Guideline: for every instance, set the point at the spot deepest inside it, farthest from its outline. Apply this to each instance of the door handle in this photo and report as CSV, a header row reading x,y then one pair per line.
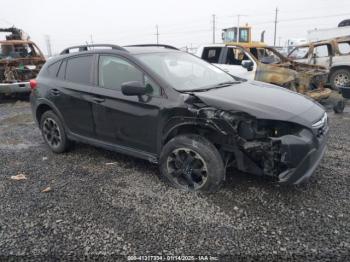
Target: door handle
x,y
55,92
98,99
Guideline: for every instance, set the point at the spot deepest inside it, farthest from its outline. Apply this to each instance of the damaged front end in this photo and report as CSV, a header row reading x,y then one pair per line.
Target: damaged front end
x,y
284,151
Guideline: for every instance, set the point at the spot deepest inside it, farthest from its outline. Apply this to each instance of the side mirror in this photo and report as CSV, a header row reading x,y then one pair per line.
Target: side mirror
x,y
248,64
134,88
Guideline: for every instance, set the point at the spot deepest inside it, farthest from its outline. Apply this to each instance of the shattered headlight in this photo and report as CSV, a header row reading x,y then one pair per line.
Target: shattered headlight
x,y
272,128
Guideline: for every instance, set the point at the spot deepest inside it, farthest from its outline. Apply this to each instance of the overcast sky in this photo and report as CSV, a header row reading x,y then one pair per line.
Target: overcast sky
x,y
181,22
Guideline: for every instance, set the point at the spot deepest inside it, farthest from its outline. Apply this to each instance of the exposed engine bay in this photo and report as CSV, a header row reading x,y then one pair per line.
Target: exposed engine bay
x,y
257,146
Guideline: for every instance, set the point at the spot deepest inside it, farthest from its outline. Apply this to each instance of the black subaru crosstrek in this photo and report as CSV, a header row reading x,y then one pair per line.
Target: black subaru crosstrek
x,y
172,108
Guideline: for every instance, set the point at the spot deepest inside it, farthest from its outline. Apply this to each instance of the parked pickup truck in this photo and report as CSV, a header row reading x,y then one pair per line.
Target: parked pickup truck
x,y
20,61
334,54
256,61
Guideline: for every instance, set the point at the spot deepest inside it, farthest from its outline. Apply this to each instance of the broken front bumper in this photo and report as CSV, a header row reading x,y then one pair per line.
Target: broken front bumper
x,y
302,154
14,88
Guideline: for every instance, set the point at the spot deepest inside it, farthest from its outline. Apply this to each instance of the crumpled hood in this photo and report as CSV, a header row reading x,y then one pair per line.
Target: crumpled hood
x,y
264,101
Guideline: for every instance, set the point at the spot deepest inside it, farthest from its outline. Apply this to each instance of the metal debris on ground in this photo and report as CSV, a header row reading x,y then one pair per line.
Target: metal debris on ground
x,y
19,177
46,190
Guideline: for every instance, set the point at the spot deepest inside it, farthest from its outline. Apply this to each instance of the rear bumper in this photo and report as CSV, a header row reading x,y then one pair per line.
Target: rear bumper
x,y
14,88
302,154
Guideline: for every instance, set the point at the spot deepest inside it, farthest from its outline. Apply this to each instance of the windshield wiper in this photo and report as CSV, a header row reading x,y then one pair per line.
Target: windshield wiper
x,y
220,85
223,84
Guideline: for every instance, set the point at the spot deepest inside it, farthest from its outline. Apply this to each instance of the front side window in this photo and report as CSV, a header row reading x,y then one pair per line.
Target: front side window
x,y
185,72
114,71
235,56
299,53
321,51
78,70
344,48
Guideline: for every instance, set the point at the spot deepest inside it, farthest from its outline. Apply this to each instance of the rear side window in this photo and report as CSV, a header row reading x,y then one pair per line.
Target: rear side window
x,y
78,70
211,54
344,48
53,69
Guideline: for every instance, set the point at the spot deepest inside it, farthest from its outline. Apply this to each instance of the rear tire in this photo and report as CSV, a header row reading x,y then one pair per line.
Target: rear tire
x,y
53,132
192,163
340,78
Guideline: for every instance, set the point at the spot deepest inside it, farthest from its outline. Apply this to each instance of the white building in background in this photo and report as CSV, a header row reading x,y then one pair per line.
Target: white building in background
x,y
328,33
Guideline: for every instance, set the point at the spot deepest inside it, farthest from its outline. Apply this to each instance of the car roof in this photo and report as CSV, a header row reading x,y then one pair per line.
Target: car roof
x,y
130,50
148,49
337,39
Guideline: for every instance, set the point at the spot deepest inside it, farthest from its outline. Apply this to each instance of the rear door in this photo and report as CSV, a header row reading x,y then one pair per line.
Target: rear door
x,y
127,121
70,94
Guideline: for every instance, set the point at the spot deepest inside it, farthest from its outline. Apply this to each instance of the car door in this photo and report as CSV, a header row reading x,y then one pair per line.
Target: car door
x,y
231,62
70,94
127,121
322,55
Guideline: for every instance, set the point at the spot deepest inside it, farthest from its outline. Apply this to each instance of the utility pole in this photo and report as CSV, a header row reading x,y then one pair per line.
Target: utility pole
x,y
91,40
214,26
48,45
276,15
157,34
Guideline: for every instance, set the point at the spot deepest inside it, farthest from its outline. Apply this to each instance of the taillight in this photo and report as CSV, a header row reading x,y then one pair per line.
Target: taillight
x,y
33,84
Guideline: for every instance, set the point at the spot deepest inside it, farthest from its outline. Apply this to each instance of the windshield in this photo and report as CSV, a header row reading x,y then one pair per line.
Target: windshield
x,y
185,72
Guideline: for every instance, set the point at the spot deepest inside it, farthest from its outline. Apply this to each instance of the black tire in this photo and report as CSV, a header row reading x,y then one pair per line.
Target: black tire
x,y
53,132
338,108
192,157
340,78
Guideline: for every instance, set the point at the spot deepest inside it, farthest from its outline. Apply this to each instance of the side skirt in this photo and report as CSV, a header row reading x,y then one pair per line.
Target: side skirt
x,y
116,148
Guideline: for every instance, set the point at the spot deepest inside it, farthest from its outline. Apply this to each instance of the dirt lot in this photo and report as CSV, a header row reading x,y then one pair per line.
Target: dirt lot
x,y
103,203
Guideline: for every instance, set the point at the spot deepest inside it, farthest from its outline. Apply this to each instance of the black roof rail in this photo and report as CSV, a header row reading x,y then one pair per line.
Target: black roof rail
x,y
154,45
90,47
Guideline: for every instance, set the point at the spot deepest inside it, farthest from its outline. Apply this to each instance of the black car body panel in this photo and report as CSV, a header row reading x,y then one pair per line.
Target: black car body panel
x,y
258,128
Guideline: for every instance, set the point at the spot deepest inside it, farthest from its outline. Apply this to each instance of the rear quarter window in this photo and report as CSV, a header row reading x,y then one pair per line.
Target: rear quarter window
x,y
53,69
344,48
78,70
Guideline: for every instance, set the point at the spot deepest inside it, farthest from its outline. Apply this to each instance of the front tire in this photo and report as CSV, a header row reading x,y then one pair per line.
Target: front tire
x,y
192,163
53,132
340,78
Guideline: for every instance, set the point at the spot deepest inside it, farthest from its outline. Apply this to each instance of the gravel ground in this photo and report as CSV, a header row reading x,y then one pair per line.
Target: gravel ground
x,y
103,203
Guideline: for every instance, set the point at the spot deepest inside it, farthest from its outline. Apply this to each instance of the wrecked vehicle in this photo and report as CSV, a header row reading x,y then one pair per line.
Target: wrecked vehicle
x,y
256,61
172,108
20,61
334,54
